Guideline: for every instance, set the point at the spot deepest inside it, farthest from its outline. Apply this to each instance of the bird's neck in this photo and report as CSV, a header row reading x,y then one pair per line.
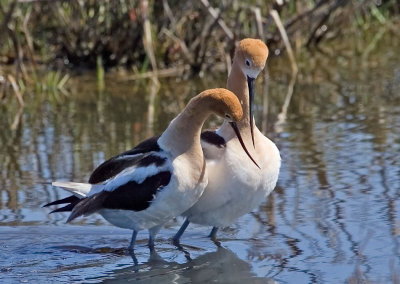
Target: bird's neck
x,y
237,83
183,134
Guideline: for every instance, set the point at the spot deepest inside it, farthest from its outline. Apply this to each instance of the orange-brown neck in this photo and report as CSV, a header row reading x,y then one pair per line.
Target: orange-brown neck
x,y
183,134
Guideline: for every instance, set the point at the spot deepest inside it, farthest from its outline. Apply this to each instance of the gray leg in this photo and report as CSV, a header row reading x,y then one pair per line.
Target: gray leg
x,y
213,233
180,232
152,235
132,244
134,259
151,243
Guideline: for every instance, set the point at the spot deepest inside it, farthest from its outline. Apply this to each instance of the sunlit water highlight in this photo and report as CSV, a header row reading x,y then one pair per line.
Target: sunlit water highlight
x,y
334,216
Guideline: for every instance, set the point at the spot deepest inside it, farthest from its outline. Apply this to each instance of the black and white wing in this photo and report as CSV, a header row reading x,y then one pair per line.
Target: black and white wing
x,y
128,181
115,165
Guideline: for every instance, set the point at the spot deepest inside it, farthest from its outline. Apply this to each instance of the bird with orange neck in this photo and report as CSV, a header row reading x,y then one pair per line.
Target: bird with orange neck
x,y
160,178
235,186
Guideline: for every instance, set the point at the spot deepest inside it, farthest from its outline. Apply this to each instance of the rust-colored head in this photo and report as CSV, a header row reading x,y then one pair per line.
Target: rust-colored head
x,y
222,102
225,104
251,55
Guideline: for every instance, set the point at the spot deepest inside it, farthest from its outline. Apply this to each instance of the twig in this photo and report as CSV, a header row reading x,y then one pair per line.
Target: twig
x,y
19,64
147,40
170,72
154,88
264,125
278,22
305,14
3,87
16,90
34,1
168,11
29,40
6,20
372,45
201,51
283,114
257,14
17,119
214,13
324,19
181,43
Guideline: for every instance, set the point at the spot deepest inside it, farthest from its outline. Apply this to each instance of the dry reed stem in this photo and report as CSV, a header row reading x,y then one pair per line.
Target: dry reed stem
x,y
147,40
181,43
160,73
6,20
16,90
265,95
283,114
274,14
169,14
257,14
154,88
29,40
214,13
17,119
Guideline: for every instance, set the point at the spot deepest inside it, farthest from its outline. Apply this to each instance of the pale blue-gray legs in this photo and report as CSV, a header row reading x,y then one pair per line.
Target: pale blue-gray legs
x,y
179,234
152,235
213,233
151,243
132,244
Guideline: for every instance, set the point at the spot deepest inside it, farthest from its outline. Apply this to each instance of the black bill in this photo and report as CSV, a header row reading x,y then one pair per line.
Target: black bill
x,y
251,83
236,129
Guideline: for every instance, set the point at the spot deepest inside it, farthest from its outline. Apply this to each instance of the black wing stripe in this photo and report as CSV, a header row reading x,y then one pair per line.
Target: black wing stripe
x,y
137,197
116,164
130,196
148,145
112,167
151,159
213,138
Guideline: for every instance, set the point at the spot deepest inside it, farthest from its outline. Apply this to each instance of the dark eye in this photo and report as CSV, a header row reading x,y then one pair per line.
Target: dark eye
x,y
248,63
228,116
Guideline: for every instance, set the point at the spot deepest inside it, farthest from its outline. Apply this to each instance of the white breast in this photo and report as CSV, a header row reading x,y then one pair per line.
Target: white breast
x,y
236,186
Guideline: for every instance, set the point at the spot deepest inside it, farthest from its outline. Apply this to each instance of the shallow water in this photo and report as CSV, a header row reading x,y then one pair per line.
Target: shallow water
x,y
334,216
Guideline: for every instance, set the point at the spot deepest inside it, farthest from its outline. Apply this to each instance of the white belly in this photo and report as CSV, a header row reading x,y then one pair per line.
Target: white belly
x,y
236,186
180,194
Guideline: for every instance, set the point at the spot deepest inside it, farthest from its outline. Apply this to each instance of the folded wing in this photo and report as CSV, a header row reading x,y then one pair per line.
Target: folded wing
x,y
128,181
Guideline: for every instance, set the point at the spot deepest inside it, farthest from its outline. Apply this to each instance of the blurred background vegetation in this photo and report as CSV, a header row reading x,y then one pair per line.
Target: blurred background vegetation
x,y
43,43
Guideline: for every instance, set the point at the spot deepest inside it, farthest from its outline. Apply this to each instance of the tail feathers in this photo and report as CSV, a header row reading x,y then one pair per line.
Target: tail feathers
x,y
69,199
88,206
76,188
72,200
79,204
67,208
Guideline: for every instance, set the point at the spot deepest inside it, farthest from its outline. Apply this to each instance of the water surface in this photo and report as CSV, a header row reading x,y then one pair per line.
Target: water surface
x,y
333,218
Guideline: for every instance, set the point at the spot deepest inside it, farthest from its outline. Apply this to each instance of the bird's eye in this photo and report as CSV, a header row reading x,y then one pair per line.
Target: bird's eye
x,y
248,63
228,116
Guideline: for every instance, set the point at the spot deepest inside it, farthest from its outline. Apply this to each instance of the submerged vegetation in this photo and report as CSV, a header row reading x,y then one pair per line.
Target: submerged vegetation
x,y
41,42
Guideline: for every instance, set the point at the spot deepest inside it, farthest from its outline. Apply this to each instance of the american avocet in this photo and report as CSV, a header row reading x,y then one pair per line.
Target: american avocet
x,y
158,179
226,199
